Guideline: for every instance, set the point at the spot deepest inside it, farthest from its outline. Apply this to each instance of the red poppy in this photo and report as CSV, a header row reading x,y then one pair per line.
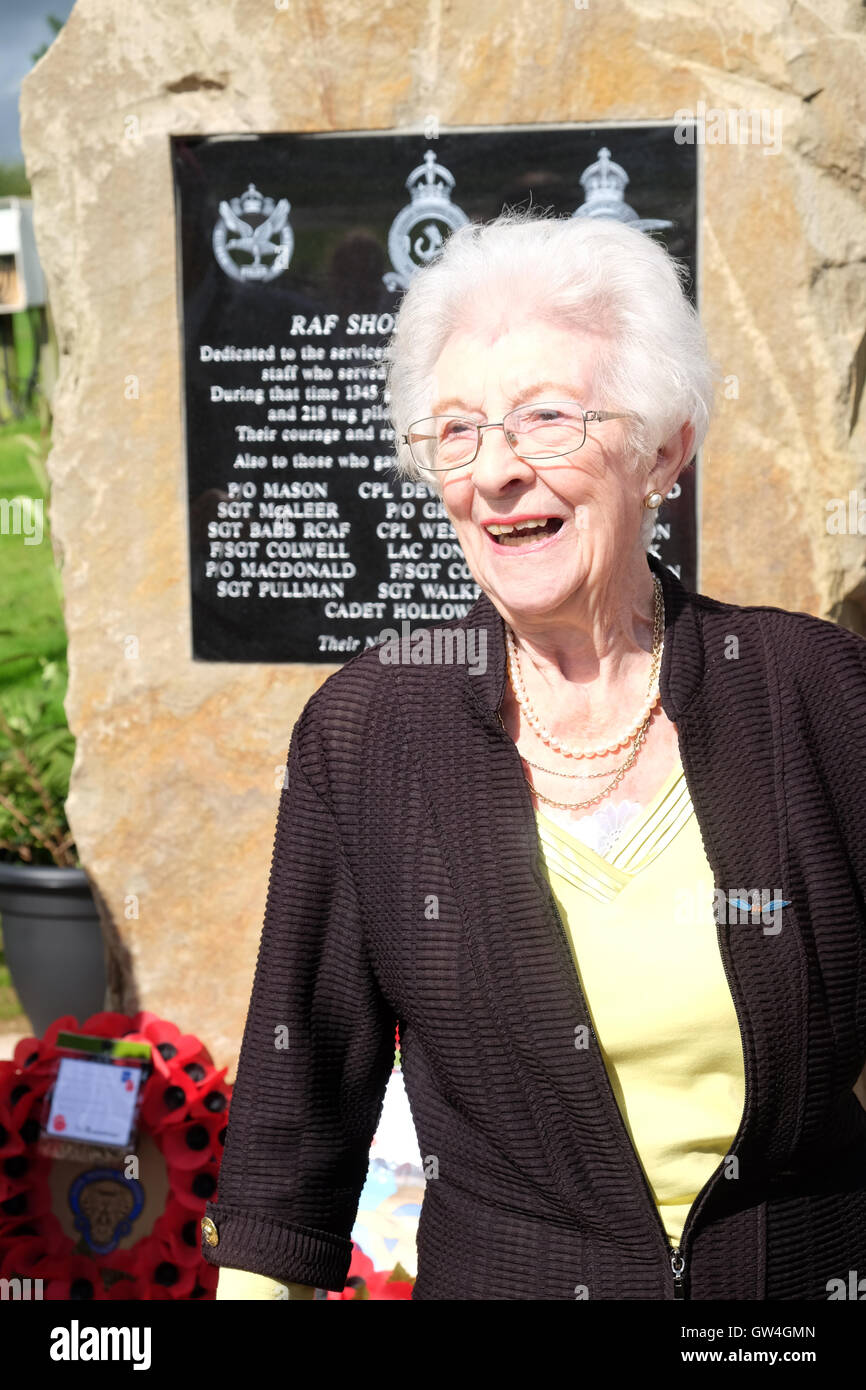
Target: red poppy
x,y
382,1285
192,1145
194,1187
178,1227
213,1093
71,1277
153,1263
20,1256
363,1281
187,1048
165,1102
19,1174
13,1113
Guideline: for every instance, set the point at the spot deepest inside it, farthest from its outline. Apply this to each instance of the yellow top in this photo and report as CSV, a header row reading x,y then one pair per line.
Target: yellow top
x,y
643,936
240,1284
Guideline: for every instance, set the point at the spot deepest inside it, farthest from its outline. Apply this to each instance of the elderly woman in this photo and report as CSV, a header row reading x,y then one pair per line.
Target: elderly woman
x,y
610,885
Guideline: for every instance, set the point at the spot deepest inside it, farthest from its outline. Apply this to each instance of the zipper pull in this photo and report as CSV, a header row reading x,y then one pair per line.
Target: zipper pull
x,y
678,1268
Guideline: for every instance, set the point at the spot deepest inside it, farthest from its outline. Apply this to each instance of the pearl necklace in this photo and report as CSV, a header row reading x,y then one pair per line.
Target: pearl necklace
x,y
545,735
638,731
557,772
620,773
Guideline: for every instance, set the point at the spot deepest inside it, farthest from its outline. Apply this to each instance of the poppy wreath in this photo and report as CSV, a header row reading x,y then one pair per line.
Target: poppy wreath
x,y
184,1107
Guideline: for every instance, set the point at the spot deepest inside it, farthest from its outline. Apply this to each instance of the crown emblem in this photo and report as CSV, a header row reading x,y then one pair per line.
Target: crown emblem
x,y
604,186
603,181
430,180
252,200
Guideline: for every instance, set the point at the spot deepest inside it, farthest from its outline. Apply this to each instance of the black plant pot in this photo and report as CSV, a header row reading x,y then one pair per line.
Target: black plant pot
x,y
52,938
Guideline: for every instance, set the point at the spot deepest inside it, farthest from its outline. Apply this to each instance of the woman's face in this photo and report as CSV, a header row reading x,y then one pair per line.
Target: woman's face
x,y
484,374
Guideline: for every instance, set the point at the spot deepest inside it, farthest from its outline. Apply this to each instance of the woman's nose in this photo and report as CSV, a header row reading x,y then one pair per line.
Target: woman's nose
x,y
496,457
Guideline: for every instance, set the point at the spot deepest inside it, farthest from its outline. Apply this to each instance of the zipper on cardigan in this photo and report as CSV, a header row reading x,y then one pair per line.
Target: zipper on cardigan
x,y
672,1253
700,1199
675,1255
664,1239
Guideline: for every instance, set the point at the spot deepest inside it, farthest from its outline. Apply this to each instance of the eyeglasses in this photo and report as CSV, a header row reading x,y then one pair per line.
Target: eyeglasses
x,y
546,430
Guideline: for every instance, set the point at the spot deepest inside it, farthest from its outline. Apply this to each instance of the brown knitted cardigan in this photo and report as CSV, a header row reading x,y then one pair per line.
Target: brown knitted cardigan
x,y
406,887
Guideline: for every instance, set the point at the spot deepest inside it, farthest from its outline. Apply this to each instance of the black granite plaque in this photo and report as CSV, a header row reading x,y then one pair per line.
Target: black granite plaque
x,y
293,251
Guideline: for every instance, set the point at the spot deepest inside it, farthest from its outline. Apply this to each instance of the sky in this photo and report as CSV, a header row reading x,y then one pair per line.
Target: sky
x,y
23,29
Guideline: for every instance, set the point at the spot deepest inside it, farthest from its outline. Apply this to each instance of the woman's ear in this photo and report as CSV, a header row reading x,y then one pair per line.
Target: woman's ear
x,y
671,459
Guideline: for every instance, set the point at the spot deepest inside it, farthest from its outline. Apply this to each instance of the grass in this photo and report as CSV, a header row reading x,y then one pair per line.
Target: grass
x,y
20,336
31,619
25,343
12,1019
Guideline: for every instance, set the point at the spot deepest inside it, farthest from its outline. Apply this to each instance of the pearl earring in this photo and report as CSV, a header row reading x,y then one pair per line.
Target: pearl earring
x,y
653,499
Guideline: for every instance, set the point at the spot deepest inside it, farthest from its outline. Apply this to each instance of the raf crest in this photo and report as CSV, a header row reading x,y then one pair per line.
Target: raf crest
x,y
254,226
419,231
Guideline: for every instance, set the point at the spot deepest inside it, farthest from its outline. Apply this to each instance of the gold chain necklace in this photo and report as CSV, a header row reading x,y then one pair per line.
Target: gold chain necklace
x,y
557,772
578,805
638,732
557,744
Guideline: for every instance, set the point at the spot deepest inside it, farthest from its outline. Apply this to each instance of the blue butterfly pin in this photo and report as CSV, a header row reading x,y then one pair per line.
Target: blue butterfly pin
x,y
758,907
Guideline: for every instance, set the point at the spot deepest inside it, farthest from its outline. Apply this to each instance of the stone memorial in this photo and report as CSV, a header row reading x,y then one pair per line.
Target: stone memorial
x,y
149,139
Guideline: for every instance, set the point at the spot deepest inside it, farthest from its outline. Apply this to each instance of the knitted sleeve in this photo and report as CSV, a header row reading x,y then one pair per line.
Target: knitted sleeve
x,y
835,686
316,1054
852,706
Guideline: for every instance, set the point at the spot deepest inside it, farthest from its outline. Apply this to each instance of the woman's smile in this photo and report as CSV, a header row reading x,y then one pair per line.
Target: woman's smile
x,y
527,540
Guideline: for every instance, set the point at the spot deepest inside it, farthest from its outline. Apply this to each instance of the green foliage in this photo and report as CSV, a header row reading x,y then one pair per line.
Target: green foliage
x,y
36,745
54,23
36,753
14,182
28,363
31,614
10,1005
35,449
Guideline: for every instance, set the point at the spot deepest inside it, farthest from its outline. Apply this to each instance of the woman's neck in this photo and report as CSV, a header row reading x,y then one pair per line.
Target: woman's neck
x,y
588,668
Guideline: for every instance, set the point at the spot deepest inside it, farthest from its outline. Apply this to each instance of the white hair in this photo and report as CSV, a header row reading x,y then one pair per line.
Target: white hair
x,y
594,275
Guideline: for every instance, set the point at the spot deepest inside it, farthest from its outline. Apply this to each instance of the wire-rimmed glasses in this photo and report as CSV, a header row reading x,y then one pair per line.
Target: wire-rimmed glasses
x,y
542,430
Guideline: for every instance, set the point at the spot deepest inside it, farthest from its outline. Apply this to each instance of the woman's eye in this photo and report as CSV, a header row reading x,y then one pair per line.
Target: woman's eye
x,y
455,427
542,417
